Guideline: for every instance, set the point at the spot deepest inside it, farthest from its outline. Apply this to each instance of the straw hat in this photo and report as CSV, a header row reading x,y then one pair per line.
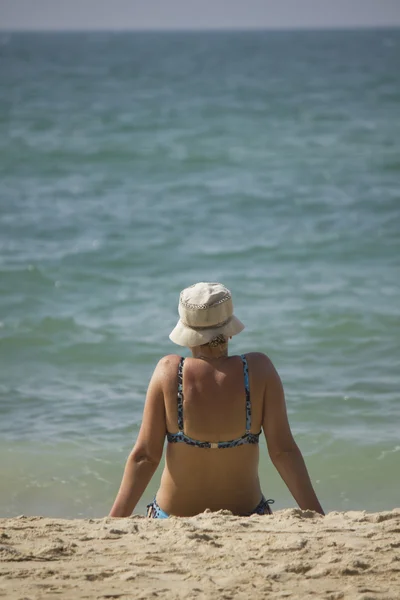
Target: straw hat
x,y
205,311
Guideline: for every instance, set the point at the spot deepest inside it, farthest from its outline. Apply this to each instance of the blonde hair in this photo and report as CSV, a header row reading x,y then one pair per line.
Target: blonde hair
x,y
218,340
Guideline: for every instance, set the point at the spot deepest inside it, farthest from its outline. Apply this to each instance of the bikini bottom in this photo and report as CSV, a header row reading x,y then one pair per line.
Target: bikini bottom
x,y
262,508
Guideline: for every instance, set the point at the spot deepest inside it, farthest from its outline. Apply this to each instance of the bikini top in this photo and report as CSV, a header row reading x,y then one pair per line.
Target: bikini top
x,y
246,438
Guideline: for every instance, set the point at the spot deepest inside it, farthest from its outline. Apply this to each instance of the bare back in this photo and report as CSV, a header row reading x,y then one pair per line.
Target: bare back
x,y
214,410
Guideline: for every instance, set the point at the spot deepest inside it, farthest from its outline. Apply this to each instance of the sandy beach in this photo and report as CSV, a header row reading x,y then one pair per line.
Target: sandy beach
x,y
292,554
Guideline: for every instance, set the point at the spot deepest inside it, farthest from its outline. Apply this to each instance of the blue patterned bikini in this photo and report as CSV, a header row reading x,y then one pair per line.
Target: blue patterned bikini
x,y
153,510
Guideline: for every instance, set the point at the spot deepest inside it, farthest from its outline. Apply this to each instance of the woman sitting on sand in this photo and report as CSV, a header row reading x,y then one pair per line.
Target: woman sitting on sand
x,y
212,408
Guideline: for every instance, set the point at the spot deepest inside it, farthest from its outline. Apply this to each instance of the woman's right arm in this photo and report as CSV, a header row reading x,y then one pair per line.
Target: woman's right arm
x,y
283,450
147,452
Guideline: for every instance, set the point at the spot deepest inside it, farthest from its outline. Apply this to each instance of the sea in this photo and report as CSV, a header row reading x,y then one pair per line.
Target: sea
x,y
134,164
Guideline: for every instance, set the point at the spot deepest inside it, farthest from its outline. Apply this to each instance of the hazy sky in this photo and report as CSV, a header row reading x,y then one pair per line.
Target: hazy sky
x,y
195,14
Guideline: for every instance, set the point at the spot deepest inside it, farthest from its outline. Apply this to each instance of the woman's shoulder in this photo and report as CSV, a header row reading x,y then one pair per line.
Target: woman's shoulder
x,y
168,362
166,370
260,362
257,357
169,359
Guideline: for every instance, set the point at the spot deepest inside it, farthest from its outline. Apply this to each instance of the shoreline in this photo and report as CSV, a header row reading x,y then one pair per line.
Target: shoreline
x,y
293,553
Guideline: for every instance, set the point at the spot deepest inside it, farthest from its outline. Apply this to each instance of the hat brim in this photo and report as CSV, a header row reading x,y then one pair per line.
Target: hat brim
x,y
186,336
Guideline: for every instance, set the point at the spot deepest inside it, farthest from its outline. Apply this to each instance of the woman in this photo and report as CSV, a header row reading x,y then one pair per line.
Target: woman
x,y
212,408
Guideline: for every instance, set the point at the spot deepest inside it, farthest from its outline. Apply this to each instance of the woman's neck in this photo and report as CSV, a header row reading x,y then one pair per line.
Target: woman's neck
x,y
208,353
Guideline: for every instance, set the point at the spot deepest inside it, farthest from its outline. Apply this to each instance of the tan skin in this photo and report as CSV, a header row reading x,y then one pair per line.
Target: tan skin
x,y
198,478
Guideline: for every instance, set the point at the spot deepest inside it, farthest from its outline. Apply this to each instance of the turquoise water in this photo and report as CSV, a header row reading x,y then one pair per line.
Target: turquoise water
x,y
132,165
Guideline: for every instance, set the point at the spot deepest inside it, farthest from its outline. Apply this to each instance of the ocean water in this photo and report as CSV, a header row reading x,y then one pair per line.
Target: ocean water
x,y
132,165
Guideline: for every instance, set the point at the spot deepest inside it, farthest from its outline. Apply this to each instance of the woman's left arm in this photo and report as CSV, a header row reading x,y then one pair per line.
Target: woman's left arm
x,y
147,451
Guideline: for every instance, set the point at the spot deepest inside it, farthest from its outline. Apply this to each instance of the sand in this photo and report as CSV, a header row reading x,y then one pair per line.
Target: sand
x,y
292,554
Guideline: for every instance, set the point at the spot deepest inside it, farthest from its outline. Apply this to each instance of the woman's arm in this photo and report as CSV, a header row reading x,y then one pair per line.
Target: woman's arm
x,y
282,448
147,451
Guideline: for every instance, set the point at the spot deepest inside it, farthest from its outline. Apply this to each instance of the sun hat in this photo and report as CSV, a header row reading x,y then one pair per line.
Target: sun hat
x,y
205,311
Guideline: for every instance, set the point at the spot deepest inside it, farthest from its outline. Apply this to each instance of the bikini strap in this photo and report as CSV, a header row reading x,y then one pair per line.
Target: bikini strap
x,y
180,394
247,390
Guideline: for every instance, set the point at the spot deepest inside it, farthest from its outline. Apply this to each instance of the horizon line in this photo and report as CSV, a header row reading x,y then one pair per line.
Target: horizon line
x,y
247,29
